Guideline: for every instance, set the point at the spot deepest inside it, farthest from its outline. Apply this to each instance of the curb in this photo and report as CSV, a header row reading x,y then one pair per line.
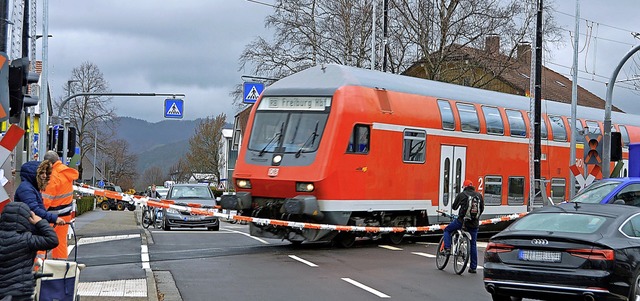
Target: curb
x,y
152,289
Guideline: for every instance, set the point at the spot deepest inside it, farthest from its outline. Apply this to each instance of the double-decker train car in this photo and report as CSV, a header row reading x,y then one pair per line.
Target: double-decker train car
x,y
346,146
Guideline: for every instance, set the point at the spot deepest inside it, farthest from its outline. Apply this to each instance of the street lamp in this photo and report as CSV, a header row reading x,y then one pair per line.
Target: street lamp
x,y
95,149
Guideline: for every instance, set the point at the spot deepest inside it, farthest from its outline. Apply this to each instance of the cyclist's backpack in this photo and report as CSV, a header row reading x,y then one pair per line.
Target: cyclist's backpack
x,y
473,210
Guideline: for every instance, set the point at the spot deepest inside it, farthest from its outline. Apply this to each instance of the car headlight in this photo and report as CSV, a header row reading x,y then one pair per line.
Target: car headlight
x,y
243,183
174,211
304,187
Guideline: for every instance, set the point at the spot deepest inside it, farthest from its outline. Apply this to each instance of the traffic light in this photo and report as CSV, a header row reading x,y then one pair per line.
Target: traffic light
x,y
19,79
4,86
56,140
616,146
593,149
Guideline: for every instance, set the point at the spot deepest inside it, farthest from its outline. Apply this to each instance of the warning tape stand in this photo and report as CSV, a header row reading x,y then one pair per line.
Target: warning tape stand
x,y
208,211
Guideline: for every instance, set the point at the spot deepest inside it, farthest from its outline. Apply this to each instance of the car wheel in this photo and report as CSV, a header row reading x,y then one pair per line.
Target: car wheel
x,y
165,226
634,291
214,228
105,205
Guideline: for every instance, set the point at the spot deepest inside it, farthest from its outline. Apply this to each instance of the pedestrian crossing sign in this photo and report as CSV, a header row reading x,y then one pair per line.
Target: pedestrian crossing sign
x,y
173,108
252,91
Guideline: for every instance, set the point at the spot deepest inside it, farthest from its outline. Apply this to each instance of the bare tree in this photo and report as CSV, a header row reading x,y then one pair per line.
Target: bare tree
x,y
312,32
180,171
205,145
120,163
87,113
153,175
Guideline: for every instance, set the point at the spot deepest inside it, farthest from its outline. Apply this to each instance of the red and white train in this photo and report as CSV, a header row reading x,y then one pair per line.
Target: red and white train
x,y
346,146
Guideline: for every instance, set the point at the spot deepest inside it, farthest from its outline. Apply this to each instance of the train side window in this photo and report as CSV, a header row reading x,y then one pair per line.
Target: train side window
x,y
558,188
544,131
625,135
594,128
469,121
493,191
414,146
558,129
495,125
580,128
516,191
359,141
517,124
446,114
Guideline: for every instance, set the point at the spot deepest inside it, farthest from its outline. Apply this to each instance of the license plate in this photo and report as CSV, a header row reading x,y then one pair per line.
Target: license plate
x,y
193,218
542,256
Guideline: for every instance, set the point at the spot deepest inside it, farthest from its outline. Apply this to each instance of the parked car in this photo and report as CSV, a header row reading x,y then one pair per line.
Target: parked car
x,y
573,251
611,190
162,191
184,194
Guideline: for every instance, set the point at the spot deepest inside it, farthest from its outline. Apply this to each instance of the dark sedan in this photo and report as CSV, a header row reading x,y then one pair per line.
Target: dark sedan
x,y
185,194
572,251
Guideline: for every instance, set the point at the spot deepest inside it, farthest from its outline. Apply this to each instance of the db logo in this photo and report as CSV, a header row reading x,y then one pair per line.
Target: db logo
x,y
273,172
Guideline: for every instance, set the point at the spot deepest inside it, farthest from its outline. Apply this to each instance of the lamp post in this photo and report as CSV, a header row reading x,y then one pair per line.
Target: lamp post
x,y
95,150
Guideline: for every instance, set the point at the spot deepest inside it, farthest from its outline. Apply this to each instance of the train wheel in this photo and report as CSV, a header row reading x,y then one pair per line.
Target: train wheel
x,y
345,239
105,205
394,238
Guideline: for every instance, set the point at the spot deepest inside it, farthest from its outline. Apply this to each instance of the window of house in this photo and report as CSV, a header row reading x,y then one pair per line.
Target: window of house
x,y
469,121
495,125
558,129
493,190
359,140
516,123
516,191
414,146
625,135
558,186
446,114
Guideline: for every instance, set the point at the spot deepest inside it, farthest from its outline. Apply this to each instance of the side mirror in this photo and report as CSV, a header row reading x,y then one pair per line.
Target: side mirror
x,y
619,202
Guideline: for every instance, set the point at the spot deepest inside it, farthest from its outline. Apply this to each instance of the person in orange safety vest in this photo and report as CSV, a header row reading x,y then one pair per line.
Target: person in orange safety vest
x,y
58,199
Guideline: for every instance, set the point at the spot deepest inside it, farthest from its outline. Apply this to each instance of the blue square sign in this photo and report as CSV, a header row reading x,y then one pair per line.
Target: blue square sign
x,y
252,91
173,108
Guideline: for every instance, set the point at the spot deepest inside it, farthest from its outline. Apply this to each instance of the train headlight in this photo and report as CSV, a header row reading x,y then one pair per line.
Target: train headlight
x,y
305,187
277,159
243,183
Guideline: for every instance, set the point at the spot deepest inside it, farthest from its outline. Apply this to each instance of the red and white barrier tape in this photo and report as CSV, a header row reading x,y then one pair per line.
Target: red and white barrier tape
x,y
197,209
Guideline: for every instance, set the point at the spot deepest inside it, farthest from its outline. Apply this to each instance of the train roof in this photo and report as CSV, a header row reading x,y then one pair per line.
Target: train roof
x,y
326,79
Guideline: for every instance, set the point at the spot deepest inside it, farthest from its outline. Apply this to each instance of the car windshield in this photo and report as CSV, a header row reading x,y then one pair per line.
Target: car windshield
x,y
596,192
560,222
190,192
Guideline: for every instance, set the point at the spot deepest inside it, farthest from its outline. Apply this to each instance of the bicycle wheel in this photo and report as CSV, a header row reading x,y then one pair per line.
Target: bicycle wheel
x,y
441,258
461,256
146,218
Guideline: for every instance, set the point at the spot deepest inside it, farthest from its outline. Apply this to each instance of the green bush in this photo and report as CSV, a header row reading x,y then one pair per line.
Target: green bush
x,y
84,204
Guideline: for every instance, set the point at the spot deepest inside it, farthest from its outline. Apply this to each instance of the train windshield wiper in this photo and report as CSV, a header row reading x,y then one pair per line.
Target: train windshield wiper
x,y
311,138
277,135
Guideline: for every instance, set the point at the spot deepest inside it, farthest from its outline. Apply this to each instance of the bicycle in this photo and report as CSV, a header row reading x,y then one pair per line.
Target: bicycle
x,y
148,217
460,248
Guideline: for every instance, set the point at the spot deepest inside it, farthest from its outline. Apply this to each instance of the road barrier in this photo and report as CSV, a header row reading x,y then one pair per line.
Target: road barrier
x,y
200,210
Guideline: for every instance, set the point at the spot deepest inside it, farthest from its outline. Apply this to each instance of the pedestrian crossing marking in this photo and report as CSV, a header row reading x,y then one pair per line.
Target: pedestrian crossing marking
x,y
253,94
174,110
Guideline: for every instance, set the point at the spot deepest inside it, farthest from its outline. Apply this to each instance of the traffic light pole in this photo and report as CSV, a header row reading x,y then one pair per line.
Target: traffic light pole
x,y
67,117
606,146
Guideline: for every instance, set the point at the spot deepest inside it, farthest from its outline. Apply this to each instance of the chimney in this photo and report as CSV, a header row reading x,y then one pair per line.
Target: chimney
x,y
523,52
492,44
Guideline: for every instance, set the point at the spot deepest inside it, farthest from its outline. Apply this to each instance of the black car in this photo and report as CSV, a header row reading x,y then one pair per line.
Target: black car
x,y
185,194
572,251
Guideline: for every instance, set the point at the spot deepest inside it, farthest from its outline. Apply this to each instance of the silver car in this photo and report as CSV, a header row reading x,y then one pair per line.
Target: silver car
x,y
183,194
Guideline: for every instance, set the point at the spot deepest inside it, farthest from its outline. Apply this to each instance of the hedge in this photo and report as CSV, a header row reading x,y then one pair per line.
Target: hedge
x,y
84,204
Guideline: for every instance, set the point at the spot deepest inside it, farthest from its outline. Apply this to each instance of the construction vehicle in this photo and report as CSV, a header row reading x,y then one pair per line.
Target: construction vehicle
x,y
113,204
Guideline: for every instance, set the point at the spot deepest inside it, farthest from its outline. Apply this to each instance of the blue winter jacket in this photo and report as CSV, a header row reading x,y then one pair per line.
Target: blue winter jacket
x,y
29,194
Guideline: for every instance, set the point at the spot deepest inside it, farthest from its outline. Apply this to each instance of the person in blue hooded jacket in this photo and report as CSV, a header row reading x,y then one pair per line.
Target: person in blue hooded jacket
x,y
34,176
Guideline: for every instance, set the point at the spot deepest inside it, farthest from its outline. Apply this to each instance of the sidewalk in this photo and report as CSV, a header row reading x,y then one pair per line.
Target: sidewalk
x,y
109,244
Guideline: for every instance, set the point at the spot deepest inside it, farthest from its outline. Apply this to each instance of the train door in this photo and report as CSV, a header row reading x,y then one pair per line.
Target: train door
x,y
452,173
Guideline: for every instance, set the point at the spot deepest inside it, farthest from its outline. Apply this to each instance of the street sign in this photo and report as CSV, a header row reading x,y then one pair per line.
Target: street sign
x,y
101,184
173,108
251,92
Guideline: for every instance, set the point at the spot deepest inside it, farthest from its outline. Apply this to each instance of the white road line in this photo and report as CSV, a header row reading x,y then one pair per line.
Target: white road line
x,y
366,288
92,240
144,257
248,235
309,263
426,243
424,254
392,248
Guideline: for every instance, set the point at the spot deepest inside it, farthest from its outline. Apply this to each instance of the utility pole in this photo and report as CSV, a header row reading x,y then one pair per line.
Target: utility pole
x,y
574,102
384,35
538,102
4,21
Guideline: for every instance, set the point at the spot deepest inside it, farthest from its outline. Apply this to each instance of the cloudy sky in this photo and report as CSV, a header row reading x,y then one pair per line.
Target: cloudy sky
x,y
192,47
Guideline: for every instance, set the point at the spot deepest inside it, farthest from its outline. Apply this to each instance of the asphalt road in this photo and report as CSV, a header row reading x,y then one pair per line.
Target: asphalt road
x,y
230,265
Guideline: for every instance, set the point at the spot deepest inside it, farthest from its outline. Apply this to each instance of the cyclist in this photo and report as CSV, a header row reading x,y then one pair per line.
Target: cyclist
x,y
471,223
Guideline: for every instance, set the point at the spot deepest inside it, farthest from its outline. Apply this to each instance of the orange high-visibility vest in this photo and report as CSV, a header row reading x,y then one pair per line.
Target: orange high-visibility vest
x,y
58,199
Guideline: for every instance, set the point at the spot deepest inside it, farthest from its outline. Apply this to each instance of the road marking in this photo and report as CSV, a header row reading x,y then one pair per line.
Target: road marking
x,y
249,235
93,240
366,288
392,248
481,244
423,254
144,256
116,288
309,263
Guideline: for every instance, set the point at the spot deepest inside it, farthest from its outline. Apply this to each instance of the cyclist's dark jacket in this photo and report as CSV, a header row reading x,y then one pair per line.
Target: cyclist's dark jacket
x,y
19,241
462,201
